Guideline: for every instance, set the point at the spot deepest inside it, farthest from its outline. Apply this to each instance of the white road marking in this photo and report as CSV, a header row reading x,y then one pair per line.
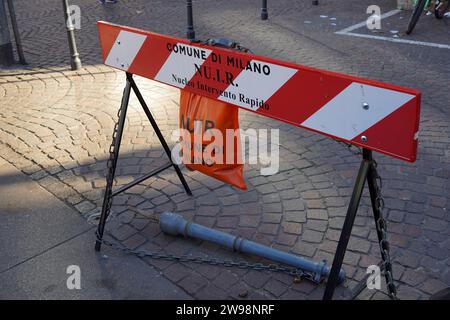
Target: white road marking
x,y
362,24
347,32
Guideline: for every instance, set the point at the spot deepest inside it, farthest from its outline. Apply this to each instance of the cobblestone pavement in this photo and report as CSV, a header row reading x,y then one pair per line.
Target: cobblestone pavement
x,y
56,125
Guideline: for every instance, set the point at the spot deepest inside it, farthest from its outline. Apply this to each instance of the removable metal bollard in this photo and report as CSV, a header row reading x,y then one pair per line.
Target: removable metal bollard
x,y
190,33
174,224
75,62
264,12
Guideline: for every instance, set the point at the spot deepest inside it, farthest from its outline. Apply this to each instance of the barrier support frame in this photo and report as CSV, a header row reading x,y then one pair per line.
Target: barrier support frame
x,y
117,139
367,172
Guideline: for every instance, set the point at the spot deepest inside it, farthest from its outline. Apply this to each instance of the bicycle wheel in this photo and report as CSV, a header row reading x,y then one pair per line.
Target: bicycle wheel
x,y
418,9
441,9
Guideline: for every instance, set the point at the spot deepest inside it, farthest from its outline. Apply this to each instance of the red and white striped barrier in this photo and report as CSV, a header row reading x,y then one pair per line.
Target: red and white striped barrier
x,y
370,114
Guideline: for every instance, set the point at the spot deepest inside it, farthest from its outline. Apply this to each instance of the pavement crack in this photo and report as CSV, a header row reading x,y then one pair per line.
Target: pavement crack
x,y
47,250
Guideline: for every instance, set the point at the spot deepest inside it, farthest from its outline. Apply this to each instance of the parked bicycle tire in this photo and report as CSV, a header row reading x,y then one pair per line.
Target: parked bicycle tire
x,y
418,9
443,8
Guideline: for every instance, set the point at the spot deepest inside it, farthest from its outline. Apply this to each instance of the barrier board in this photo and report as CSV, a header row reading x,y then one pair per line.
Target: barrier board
x,y
369,114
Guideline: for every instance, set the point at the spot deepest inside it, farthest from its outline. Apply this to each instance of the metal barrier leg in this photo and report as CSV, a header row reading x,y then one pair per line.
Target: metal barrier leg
x,y
347,228
112,163
158,133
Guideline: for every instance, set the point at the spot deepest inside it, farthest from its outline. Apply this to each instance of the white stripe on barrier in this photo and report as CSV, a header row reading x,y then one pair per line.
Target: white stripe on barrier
x,y
251,89
179,67
345,115
125,49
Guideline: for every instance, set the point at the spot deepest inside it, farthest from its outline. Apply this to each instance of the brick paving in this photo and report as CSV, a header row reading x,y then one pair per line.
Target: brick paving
x,y
56,125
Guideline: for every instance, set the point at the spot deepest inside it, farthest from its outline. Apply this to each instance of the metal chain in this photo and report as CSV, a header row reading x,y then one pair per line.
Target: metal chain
x,y
109,163
381,226
297,273
353,149
229,45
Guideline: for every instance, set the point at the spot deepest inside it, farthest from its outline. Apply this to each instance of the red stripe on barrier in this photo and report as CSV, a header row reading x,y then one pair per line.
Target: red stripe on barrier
x,y
221,78
150,49
389,133
315,89
107,37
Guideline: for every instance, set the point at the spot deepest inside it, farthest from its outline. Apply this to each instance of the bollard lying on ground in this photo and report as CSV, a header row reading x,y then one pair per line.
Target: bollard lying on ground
x,y
174,224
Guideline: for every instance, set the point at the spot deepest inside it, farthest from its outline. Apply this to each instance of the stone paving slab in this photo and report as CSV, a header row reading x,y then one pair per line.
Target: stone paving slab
x,y
41,237
31,222
104,276
395,27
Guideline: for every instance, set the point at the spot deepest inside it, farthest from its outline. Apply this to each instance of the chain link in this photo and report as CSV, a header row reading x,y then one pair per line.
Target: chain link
x,y
381,226
353,149
110,161
296,273
225,43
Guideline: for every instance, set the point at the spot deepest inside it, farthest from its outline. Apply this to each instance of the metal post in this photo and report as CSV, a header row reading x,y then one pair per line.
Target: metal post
x,y
348,225
190,33
12,14
117,136
264,12
158,133
175,224
75,62
6,49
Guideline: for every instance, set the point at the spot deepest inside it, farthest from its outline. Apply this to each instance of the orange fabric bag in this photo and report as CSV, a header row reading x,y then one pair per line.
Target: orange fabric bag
x,y
201,117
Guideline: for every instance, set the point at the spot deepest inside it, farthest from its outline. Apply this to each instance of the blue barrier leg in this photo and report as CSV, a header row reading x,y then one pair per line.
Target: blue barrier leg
x,y
175,224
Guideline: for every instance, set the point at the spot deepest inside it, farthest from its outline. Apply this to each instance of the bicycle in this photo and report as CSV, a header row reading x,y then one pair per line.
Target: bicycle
x,y
440,9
